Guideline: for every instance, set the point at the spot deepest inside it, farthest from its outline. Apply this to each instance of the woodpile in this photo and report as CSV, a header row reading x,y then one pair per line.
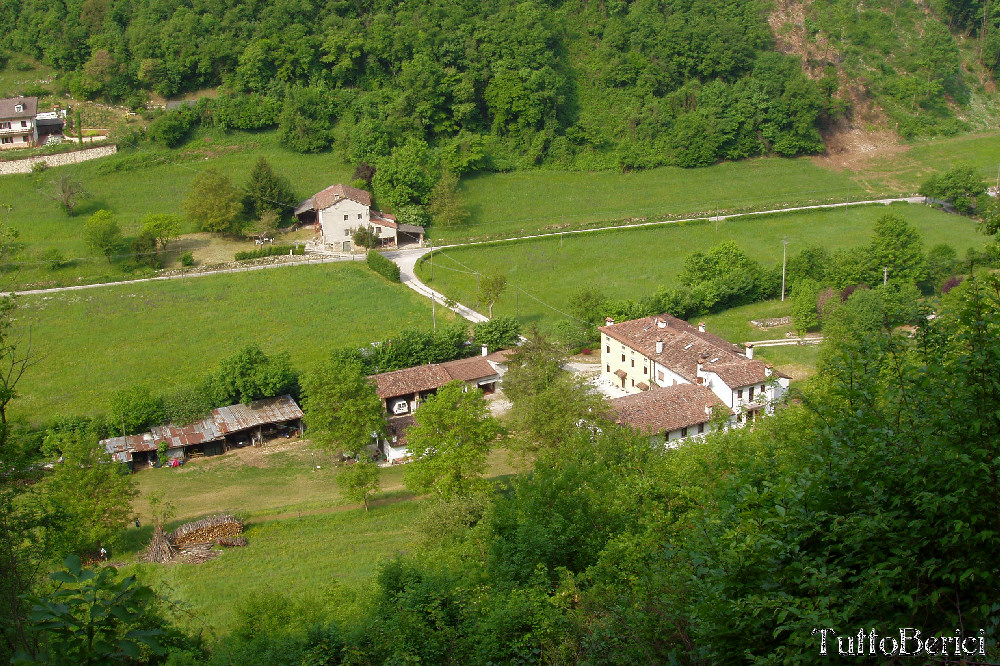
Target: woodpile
x,y
160,550
198,553
206,531
231,541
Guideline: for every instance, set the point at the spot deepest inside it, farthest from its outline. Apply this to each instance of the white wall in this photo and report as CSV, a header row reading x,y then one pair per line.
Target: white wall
x,y
336,230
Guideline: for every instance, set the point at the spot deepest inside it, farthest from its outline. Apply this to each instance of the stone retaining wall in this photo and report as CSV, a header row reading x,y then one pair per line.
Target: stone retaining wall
x,y
58,159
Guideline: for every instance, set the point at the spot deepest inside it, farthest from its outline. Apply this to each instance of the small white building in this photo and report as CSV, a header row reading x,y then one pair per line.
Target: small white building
x,y
663,351
17,122
340,210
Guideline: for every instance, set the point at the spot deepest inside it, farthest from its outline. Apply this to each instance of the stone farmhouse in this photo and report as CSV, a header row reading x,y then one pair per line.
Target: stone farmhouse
x,y
339,210
678,376
403,391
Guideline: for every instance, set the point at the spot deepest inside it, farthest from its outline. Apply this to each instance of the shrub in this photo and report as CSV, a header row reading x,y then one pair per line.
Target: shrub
x,y
187,259
387,269
39,167
270,251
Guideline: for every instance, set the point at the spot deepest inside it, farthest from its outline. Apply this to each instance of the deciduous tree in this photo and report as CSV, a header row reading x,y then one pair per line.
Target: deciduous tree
x,y
163,227
359,481
103,233
491,286
446,206
341,407
68,192
267,191
214,204
450,441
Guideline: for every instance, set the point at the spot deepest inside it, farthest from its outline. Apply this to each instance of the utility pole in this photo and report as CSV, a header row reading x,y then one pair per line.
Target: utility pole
x,y
434,321
885,275
998,181
517,302
784,254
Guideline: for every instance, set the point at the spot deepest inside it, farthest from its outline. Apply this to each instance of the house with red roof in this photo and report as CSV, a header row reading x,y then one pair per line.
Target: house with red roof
x,y
340,210
17,122
656,360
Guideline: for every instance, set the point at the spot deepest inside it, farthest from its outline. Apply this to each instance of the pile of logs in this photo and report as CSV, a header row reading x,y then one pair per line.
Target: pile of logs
x,y
231,541
160,550
198,553
207,530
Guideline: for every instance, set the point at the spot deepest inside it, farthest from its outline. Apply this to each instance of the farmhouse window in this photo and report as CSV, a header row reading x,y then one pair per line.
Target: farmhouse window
x,y
633,363
684,432
701,428
345,218
751,392
739,394
24,123
761,388
608,349
5,125
607,367
633,383
623,358
359,216
644,369
378,231
347,232
6,139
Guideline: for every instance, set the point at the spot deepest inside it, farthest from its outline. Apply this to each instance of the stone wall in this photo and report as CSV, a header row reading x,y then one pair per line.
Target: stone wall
x,y
59,159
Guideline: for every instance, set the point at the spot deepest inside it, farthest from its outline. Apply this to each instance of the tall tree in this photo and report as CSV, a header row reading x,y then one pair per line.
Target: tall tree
x,y
491,286
446,206
267,191
214,204
450,441
897,246
359,481
163,227
549,403
68,192
341,407
249,375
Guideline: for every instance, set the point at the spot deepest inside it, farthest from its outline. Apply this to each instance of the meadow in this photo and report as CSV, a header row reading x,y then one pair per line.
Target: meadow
x,y
303,538
544,273
168,334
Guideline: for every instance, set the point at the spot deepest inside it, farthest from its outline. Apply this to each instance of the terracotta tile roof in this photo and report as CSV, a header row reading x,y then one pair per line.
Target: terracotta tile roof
x,y
335,193
470,369
7,107
410,380
744,373
664,409
435,375
683,344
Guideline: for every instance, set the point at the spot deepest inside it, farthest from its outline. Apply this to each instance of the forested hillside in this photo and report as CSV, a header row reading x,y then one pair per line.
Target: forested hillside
x,y
501,85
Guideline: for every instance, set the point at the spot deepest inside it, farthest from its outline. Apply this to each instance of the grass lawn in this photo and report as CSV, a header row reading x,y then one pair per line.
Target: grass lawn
x,y
500,206
169,334
633,263
159,186
797,361
296,556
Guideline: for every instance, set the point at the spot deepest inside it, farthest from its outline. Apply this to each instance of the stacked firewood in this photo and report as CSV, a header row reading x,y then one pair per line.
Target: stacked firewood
x,y
159,551
207,530
197,553
231,541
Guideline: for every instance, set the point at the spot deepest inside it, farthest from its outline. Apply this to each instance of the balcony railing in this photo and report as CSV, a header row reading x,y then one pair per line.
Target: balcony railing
x,y
16,129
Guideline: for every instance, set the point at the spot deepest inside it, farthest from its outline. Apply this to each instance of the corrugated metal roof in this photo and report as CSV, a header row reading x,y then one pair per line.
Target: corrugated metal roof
x,y
223,421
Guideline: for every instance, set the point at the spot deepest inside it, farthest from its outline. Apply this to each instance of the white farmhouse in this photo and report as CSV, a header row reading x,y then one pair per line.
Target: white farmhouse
x,y
653,354
340,210
17,122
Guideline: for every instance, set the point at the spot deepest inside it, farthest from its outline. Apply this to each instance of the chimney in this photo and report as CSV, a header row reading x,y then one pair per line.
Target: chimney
x,y
609,321
708,410
662,323
485,350
701,362
750,352
659,346
701,327
768,369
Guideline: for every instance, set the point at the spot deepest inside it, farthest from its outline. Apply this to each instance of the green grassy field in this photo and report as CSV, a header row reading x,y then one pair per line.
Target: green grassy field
x,y
634,263
168,334
513,204
296,556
